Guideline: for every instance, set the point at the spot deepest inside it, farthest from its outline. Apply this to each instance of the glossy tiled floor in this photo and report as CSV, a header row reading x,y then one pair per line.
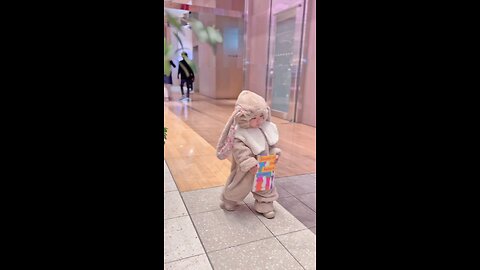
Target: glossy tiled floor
x,y
193,131
298,195
182,248
192,160
200,235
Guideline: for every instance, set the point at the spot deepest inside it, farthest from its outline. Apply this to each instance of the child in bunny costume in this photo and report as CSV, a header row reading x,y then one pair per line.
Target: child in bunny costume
x,y
248,134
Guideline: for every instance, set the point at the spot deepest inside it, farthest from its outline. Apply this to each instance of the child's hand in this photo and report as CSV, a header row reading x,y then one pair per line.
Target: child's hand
x,y
254,169
276,158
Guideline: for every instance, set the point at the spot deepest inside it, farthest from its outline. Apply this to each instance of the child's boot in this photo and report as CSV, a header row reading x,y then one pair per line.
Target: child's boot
x,y
227,206
269,215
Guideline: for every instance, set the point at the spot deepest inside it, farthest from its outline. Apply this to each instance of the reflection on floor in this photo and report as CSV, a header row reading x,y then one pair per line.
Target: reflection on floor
x,y
193,131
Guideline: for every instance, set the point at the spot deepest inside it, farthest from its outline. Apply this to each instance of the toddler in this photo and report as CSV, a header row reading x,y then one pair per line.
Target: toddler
x,y
249,133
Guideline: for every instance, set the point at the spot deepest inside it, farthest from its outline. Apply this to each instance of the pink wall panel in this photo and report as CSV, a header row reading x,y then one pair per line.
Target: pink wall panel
x,y
258,46
308,114
207,64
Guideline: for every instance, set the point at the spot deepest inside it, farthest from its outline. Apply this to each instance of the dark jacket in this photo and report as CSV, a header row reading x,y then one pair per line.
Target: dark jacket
x,y
186,74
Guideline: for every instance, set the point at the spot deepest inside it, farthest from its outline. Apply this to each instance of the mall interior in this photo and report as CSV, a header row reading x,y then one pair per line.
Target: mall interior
x,y
268,47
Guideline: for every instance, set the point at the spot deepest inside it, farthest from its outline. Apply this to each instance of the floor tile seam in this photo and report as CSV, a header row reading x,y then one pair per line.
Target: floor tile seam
x,y
284,189
287,181
283,234
288,196
305,203
306,227
272,235
184,258
299,219
208,211
239,245
288,249
275,236
196,231
183,202
301,193
258,216
294,215
170,218
171,191
295,258
202,189
171,175
203,212
296,175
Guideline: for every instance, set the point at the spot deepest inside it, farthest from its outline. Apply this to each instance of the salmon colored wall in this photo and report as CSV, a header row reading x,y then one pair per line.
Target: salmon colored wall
x,y
229,71
280,5
307,114
207,64
257,48
237,5
220,74
204,3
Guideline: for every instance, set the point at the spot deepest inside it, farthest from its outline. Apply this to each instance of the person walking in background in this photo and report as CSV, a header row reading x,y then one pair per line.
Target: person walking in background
x,y
167,81
187,76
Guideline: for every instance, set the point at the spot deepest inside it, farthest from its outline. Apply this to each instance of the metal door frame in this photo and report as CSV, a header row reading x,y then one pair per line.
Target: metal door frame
x,y
298,13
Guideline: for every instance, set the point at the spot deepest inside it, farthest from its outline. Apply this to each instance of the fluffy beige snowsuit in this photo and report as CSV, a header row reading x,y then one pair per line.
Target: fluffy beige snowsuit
x,y
246,144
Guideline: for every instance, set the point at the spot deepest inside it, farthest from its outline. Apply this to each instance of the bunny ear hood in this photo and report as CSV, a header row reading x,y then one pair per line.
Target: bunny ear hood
x,y
251,102
253,105
248,106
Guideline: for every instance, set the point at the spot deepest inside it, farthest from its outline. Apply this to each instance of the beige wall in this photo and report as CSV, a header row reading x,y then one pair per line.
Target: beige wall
x,y
237,5
220,73
207,64
204,3
229,64
257,48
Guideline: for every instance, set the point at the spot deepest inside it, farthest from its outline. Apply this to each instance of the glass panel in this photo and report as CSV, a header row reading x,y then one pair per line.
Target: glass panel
x,y
282,73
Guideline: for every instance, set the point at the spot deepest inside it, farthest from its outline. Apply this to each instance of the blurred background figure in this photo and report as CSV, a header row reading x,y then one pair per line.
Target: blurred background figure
x,y
187,76
167,83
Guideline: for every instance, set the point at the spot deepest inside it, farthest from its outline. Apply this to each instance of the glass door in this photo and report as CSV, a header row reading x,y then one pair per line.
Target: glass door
x,y
283,63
